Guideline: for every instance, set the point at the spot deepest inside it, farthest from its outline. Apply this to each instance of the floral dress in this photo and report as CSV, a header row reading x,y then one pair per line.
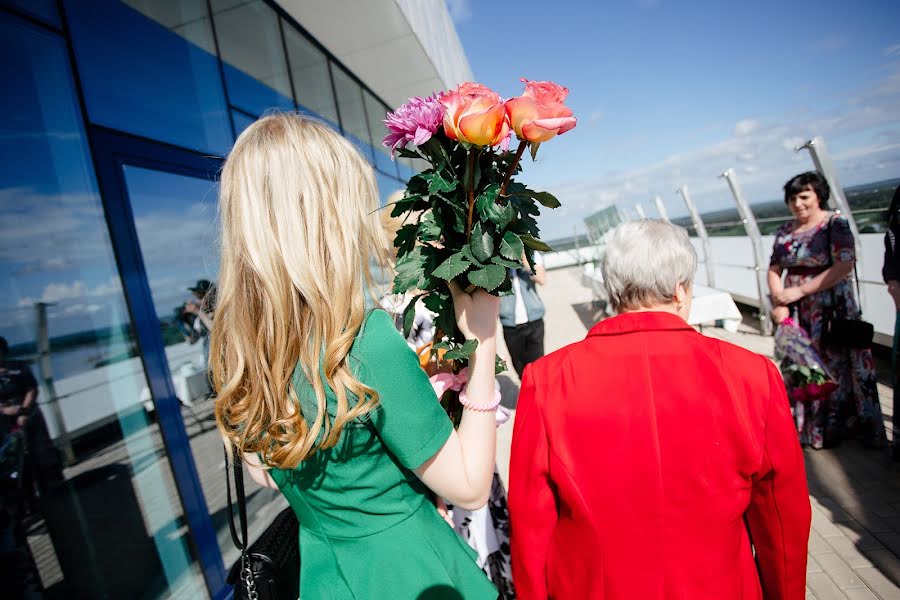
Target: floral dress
x,y
854,405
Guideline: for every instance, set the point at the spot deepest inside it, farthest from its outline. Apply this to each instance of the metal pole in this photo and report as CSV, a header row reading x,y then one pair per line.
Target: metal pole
x,y
46,370
661,209
640,211
701,233
822,159
752,229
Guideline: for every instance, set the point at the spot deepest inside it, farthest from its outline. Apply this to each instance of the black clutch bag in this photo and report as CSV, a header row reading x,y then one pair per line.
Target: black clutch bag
x,y
848,333
841,332
270,568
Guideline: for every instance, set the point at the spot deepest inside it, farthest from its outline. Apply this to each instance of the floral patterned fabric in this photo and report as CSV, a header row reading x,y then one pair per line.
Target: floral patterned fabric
x,y
854,405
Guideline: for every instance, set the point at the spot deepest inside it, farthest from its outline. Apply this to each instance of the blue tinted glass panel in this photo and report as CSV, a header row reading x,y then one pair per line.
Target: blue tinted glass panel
x,y
387,186
109,524
255,65
376,113
241,121
152,79
309,72
353,115
45,10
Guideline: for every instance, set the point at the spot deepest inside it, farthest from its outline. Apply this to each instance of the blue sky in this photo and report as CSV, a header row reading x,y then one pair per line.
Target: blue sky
x,y
673,92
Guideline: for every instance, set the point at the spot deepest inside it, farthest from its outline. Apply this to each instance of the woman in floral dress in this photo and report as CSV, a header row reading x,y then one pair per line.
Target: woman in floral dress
x,y
817,251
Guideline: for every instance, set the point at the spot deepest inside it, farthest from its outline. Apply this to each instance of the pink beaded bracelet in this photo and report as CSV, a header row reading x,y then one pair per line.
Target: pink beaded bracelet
x,y
492,405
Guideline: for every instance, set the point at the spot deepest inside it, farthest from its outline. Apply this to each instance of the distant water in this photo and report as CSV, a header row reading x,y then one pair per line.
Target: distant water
x,y
78,359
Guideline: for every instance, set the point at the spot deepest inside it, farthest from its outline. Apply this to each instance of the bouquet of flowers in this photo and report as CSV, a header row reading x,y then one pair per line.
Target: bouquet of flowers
x,y
803,369
465,217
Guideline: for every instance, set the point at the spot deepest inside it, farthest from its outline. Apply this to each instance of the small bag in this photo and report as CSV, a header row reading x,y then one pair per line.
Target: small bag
x,y
841,332
270,568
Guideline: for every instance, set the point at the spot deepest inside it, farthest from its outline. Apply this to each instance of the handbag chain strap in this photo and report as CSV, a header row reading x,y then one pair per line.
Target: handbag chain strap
x,y
241,543
855,275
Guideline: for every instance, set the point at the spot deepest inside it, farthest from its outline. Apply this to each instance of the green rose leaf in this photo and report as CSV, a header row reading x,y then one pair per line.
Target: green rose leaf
x,y
535,244
406,239
506,216
482,244
547,199
437,183
406,204
486,203
429,229
511,246
453,267
409,316
508,264
499,365
407,153
463,351
489,277
409,271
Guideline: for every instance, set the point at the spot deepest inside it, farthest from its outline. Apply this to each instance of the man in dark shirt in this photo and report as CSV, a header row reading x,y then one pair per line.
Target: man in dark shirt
x,y
19,410
891,274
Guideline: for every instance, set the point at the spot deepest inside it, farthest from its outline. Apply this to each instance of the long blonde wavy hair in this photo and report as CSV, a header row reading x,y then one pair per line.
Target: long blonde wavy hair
x,y
299,234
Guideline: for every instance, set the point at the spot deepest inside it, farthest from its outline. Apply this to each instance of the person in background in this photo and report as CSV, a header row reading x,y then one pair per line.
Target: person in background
x,y
522,314
19,411
204,310
891,273
817,251
646,457
322,397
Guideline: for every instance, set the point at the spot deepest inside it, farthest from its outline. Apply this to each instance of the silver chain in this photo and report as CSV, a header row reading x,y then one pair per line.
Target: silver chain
x,y
249,582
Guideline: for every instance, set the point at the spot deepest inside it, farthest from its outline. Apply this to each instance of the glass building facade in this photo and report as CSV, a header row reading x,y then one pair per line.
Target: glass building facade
x,y
115,120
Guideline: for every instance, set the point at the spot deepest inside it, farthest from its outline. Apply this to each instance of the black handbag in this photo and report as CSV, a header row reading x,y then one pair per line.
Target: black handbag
x,y
841,332
270,568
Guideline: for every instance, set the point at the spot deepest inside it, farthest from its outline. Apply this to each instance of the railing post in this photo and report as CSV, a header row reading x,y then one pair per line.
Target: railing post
x,y
822,159
661,209
701,233
46,372
640,211
752,229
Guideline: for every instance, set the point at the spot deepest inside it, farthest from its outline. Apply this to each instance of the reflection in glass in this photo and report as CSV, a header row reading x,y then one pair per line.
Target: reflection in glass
x,y
309,71
175,218
156,77
250,46
376,112
241,121
350,107
105,520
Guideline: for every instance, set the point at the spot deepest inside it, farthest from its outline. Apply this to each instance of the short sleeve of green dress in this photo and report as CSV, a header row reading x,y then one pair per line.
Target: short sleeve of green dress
x,y
367,527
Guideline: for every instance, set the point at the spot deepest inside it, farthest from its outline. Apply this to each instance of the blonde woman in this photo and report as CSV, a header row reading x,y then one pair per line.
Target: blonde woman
x,y
325,400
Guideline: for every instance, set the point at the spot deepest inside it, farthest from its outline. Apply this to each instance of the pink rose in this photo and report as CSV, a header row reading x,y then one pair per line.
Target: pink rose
x,y
475,115
539,114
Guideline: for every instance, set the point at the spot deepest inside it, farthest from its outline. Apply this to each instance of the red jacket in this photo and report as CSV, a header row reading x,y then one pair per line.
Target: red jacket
x,y
644,459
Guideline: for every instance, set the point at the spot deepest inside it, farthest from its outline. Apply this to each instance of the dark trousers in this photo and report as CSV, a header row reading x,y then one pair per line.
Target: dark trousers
x,y
525,343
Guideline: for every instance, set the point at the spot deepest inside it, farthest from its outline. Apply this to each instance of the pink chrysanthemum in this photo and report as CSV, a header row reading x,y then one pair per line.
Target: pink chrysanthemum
x,y
416,121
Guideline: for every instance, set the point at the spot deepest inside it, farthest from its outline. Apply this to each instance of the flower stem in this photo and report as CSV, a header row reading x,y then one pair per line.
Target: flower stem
x,y
470,186
512,168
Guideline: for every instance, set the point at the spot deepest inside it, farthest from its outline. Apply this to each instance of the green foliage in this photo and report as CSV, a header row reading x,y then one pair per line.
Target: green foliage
x,y
463,351
437,249
409,316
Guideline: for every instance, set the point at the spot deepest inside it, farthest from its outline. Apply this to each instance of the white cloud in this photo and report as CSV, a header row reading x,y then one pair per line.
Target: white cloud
x,y
81,309
745,127
597,116
892,50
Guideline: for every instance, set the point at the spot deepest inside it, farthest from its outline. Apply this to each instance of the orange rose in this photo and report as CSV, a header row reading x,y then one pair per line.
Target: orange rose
x,y
475,115
539,114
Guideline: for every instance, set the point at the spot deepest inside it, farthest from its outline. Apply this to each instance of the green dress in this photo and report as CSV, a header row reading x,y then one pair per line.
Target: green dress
x,y
367,527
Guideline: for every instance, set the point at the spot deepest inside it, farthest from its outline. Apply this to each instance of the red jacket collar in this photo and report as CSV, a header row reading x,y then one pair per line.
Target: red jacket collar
x,y
631,322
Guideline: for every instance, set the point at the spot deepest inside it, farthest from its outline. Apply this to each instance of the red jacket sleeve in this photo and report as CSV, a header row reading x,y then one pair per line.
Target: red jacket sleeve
x,y
532,504
779,514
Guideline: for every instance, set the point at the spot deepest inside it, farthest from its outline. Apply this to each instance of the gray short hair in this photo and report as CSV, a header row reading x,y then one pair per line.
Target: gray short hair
x,y
645,261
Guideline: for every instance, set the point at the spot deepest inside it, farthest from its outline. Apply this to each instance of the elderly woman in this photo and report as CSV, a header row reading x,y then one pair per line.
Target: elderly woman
x,y
646,457
816,251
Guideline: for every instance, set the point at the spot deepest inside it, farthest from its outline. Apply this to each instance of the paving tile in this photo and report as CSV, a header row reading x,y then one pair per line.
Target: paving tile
x,y
838,570
860,593
885,561
848,551
863,539
817,544
878,583
812,566
822,525
891,540
823,587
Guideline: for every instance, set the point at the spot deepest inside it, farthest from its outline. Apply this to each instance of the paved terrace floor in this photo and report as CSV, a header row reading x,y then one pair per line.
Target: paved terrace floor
x,y
854,547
